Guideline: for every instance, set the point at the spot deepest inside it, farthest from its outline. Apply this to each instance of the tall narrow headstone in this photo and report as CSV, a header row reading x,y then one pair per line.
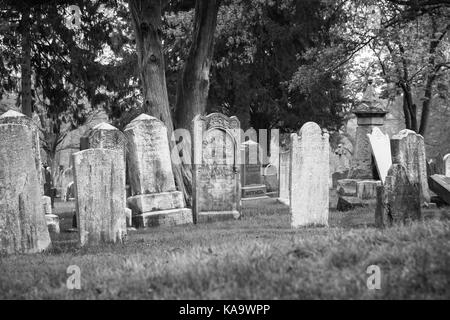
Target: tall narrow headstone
x,y
23,227
155,200
309,179
284,173
447,165
216,174
100,196
381,150
14,117
252,184
408,149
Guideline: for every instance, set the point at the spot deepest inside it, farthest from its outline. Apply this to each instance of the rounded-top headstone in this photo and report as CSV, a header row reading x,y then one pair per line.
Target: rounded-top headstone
x,y
149,161
106,136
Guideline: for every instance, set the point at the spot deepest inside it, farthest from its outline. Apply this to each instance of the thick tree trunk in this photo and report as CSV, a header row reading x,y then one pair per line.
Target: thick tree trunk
x,y
193,84
426,105
25,25
146,17
409,109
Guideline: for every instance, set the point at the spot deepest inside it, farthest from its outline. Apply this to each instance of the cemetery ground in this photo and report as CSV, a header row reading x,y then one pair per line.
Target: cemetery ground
x,y
257,257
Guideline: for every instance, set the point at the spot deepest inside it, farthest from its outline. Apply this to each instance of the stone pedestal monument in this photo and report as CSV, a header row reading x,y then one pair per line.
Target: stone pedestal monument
x,y
155,200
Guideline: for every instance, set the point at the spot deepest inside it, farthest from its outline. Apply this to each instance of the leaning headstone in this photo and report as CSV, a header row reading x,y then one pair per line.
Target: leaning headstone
x,y
408,149
14,117
22,220
100,196
401,197
440,185
310,167
447,165
381,150
155,200
216,174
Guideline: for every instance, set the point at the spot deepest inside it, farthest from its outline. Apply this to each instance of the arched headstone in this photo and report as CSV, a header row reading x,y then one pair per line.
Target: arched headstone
x,y
216,175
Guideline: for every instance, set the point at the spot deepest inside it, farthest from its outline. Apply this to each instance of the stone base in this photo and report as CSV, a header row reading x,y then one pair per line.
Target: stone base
x,y
166,218
272,194
145,203
350,203
367,189
254,191
283,201
347,187
215,216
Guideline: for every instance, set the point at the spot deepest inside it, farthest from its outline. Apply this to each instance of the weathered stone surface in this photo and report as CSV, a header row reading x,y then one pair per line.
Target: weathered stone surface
x,y
381,150
100,196
47,205
310,176
270,178
22,221
14,117
149,161
129,217
145,203
217,184
349,203
165,218
401,197
284,172
336,177
447,165
251,166
408,149
440,184
367,189
347,187
255,191
106,136
52,223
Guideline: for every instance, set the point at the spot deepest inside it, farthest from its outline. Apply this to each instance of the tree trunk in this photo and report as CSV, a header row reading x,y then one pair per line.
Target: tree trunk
x,y
193,84
146,17
25,25
409,109
426,105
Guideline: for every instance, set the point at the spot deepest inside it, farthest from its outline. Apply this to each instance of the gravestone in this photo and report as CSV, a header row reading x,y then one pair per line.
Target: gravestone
x,y
271,180
14,117
106,136
440,185
216,176
381,150
155,200
408,149
252,184
100,196
370,114
23,228
401,200
309,179
284,174
447,165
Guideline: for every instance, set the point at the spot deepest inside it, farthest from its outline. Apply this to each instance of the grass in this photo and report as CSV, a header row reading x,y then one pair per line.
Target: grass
x,y
257,257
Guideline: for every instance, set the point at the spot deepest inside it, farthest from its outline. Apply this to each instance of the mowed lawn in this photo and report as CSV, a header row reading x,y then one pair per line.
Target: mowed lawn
x,y
257,257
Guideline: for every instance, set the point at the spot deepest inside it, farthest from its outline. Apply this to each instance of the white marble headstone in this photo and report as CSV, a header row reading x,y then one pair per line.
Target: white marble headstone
x,y
309,177
381,150
447,164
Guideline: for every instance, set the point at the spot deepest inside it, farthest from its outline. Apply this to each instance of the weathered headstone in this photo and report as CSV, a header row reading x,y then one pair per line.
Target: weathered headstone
x,y
381,150
216,175
271,180
251,177
52,223
310,165
47,205
447,165
23,228
100,196
401,200
14,117
284,174
105,136
408,149
155,200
